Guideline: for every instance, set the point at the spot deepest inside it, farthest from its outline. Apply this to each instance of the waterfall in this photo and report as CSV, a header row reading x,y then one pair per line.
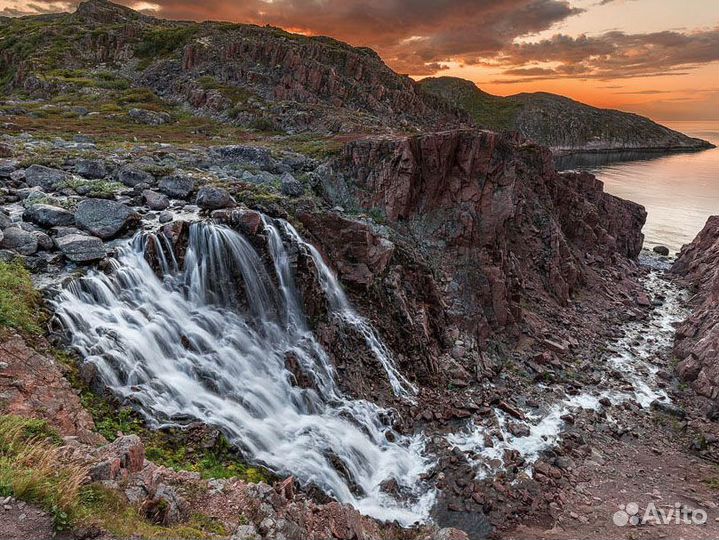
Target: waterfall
x,y
347,315
210,340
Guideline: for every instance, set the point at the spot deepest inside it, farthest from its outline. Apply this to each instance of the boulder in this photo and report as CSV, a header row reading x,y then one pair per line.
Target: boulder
x,y
291,186
130,176
7,167
661,250
155,200
92,168
81,248
46,215
177,186
23,242
5,221
45,177
119,459
6,151
214,198
150,118
105,219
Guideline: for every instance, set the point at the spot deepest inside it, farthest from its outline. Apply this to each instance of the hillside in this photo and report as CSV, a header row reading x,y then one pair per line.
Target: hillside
x,y
251,76
558,122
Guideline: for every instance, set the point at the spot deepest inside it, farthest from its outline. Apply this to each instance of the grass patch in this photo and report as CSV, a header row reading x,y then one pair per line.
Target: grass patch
x,y
29,458
164,41
20,303
313,146
32,469
100,189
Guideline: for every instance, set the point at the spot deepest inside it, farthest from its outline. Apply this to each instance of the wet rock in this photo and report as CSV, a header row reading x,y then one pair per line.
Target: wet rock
x,y
661,250
131,177
105,219
668,408
48,216
45,177
150,118
16,239
165,217
214,198
291,186
92,168
176,186
81,248
155,200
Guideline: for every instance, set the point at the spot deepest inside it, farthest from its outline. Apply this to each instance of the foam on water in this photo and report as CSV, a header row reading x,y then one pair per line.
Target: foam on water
x,y
209,340
545,429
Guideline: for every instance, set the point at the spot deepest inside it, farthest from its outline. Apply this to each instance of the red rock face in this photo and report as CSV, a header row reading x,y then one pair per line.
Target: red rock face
x,y
33,386
697,339
492,214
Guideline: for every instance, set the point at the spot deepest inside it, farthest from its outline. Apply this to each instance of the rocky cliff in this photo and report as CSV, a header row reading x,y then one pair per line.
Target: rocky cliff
x,y
561,123
492,216
697,338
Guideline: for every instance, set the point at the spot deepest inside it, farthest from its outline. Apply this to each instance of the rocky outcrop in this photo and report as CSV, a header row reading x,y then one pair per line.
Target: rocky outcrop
x,y
33,385
697,339
492,215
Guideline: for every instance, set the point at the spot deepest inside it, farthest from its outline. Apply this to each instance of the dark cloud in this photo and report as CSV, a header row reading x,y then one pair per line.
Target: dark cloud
x,y
413,36
616,55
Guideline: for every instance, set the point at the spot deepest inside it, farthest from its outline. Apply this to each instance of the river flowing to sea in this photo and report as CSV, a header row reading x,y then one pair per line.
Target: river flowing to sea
x,y
679,190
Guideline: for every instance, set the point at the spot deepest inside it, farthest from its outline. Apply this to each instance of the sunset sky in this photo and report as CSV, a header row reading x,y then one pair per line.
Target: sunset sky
x,y
655,57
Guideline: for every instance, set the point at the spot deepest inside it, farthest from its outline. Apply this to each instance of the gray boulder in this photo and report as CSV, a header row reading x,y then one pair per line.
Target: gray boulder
x,y
22,242
150,118
44,242
104,218
155,200
177,186
81,248
92,168
661,250
5,220
45,177
214,198
291,186
130,176
47,216
7,167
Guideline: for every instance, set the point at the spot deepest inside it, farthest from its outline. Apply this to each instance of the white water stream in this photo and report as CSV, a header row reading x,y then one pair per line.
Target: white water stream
x,y
209,341
545,428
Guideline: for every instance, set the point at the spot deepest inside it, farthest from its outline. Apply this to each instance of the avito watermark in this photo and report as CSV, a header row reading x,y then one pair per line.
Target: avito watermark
x,y
678,514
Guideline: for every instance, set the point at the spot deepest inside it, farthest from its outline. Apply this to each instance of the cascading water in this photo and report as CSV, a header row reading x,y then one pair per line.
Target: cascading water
x,y
347,315
209,341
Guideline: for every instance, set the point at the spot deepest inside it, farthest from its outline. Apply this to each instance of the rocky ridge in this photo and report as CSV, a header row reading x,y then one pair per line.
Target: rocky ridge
x,y
562,124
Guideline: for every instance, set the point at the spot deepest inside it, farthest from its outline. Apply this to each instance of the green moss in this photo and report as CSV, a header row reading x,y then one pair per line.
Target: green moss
x,y
20,303
100,189
314,146
159,42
